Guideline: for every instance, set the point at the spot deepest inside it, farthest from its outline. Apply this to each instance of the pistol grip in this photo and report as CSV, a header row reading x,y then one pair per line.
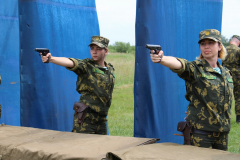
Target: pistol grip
x,y
44,54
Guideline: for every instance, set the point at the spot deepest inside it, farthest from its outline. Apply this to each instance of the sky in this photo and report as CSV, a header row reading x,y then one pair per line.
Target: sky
x,y
117,19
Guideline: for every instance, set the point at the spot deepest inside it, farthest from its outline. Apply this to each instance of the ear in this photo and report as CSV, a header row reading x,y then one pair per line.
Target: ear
x,y
220,47
106,51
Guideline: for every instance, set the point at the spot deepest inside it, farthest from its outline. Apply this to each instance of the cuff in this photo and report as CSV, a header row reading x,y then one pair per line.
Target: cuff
x,y
75,64
179,71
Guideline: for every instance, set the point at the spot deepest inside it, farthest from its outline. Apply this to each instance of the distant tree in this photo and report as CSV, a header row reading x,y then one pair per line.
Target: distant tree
x,y
121,47
225,41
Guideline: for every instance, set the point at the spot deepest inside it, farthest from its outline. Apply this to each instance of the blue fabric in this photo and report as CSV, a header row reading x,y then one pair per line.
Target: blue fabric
x,y
48,91
9,63
34,94
158,92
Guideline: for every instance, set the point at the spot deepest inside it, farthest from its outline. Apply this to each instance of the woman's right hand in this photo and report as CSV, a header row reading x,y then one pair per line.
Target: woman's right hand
x,y
46,59
156,58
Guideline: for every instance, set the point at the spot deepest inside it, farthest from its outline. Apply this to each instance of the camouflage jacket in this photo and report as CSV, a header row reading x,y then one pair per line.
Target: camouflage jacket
x,y
210,95
232,61
95,83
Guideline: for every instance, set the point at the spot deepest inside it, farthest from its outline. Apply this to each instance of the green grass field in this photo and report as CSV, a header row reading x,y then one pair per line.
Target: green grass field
x,y
121,113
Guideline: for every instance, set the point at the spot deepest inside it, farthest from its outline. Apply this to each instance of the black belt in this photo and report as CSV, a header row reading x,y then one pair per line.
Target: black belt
x,y
214,134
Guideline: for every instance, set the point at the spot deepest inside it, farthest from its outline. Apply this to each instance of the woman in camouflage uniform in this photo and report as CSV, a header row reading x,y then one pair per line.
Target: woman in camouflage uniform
x,y
209,91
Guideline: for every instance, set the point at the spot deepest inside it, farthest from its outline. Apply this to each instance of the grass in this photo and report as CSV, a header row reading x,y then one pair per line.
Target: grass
x,y
234,135
120,117
121,113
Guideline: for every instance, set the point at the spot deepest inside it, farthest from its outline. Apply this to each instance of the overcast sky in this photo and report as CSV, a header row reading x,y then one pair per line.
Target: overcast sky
x,y
117,19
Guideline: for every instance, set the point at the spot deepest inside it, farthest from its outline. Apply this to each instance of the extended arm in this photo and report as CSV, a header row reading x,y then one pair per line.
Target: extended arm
x,y
168,61
62,61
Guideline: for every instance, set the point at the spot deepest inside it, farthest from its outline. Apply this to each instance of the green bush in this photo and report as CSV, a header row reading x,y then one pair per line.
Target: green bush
x,y
225,41
121,47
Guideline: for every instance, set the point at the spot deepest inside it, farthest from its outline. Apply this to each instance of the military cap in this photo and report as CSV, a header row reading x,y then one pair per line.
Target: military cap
x,y
99,41
210,34
236,36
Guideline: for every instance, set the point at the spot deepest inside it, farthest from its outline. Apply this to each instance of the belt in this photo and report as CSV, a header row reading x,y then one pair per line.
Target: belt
x,y
214,134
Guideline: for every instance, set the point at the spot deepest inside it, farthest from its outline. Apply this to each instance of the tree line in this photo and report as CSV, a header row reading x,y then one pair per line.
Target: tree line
x,y
123,47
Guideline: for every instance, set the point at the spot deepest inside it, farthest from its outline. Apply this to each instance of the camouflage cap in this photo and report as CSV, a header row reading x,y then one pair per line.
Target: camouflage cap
x,y
210,34
99,41
236,36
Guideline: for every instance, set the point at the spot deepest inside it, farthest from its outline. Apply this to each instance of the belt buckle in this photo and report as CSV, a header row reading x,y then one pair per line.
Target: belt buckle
x,y
216,134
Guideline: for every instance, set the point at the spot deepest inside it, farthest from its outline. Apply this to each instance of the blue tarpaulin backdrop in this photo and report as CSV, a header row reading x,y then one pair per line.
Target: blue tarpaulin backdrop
x,y
35,94
158,92
9,62
40,95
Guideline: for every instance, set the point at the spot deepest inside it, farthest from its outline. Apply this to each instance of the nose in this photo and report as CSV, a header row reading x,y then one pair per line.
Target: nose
x,y
207,45
94,50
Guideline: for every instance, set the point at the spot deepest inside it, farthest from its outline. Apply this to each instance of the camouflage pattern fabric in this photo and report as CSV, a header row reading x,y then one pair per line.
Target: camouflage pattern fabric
x,y
232,62
93,124
96,84
210,34
210,95
99,41
209,141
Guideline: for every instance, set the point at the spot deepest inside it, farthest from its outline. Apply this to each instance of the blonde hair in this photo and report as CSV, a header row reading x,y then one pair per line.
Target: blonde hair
x,y
221,54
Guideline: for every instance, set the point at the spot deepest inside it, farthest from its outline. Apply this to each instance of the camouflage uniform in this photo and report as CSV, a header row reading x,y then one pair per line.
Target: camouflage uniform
x,y
210,95
232,62
96,84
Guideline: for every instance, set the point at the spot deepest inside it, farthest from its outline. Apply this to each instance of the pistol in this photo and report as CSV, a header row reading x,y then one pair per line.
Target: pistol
x,y
156,48
44,52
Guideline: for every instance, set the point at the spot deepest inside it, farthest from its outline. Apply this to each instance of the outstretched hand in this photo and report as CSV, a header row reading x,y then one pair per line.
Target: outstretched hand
x,y
156,58
46,59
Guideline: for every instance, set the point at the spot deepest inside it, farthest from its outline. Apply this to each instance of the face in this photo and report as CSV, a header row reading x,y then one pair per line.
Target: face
x,y
98,54
209,49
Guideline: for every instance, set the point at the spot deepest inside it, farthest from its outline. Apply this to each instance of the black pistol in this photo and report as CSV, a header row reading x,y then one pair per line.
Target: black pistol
x,y
156,48
44,52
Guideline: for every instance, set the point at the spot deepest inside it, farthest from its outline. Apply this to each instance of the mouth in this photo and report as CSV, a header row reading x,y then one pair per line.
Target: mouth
x,y
206,52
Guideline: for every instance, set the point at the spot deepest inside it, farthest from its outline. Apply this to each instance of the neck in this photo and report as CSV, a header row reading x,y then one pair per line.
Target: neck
x,y
212,62
234,43
102,64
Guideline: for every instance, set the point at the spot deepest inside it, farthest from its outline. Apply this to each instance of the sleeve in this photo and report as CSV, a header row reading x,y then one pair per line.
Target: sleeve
x,y
187,72
79,66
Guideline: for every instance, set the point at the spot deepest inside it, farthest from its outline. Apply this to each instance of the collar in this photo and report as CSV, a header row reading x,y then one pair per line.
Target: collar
x,y
99,66
208,67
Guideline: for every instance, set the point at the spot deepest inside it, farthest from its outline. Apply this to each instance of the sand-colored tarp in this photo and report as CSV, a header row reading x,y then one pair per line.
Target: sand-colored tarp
x,y
27,143
171,151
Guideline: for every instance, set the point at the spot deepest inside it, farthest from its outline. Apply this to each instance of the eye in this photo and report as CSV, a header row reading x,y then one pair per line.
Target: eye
x,y
211,42
202,43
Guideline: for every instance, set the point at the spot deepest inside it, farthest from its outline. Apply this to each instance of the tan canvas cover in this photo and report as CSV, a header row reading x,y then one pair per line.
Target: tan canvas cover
x,y
27,143
171,151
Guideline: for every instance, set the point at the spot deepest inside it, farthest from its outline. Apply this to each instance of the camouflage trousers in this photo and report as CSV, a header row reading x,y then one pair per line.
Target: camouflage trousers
x,y
209,141
236,91
92,124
